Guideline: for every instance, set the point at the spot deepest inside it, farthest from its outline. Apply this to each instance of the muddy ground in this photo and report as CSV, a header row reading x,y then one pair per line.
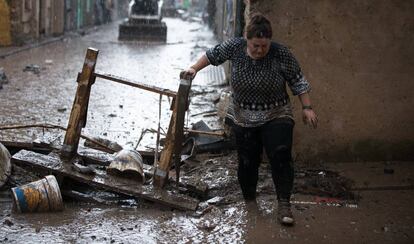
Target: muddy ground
x,y
327,210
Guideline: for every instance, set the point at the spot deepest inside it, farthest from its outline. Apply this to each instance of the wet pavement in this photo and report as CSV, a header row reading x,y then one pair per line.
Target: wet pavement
x,y
116,111
120,113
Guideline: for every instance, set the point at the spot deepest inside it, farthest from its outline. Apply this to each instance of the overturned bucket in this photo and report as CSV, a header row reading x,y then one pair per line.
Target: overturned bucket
x,y
39,196
127,163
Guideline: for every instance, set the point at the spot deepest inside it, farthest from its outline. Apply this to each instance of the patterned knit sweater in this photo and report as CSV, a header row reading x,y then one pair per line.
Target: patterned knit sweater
x,y
259,86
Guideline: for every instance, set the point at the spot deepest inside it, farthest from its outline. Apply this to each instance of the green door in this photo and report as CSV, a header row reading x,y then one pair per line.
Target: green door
x,y
79,14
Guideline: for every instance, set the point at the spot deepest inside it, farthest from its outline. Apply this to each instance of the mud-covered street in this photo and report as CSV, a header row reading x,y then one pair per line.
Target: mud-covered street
x,y
332,202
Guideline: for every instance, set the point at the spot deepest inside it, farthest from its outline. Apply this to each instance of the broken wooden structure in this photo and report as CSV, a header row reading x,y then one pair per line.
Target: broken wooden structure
x,y
60,162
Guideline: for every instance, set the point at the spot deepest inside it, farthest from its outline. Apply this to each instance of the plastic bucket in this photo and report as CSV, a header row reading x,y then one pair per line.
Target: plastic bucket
x,y
39,196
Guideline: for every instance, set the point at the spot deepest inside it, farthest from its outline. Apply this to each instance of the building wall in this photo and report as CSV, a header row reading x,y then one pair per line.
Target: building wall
x,y
219,18
358,56
33,19
5,26
57,18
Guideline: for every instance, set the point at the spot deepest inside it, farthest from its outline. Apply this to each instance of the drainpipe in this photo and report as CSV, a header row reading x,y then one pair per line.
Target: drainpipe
x,y
239,18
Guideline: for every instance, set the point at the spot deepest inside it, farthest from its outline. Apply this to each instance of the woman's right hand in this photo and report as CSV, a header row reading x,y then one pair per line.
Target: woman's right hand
x,y
188,74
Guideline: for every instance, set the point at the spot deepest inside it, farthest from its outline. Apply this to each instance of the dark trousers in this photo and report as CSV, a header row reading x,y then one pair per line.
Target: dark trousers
x,y
276,138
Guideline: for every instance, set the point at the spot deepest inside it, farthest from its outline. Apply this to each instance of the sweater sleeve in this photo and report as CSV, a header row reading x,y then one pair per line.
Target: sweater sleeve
x,y
223,52
293,73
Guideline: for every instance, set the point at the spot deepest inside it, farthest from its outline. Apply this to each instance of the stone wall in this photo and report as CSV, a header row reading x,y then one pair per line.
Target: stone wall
x,y
359,57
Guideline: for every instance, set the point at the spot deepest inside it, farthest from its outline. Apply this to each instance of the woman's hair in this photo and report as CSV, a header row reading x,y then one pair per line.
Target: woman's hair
x,y
258,26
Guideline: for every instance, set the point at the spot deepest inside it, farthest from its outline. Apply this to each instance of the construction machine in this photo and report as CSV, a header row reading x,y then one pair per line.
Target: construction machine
x,y
144,22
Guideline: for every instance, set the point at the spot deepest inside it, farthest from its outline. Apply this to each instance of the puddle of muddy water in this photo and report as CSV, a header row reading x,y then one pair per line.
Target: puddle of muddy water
x,y
102,224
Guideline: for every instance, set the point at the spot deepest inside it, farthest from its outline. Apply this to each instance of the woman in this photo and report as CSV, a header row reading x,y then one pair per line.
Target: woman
x,y
260,111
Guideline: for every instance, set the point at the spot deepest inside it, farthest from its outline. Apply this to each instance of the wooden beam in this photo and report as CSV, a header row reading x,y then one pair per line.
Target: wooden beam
x,y
52,164
208,133
143,86
174,139
78,114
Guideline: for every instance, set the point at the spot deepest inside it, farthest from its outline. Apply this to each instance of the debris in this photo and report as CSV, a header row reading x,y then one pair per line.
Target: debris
x,y
210,133
3,78
5,165
127,163
8,222
48,61
39,196
188,149
202,205
111,145
205,112
323,183
207,225
208,143
210,114
61,110
112,115
83,169
32,68
51,126
79,196
341,204
215,200
53,164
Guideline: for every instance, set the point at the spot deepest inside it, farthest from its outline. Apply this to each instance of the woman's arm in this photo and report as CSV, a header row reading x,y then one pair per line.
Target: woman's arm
x,y
191,72
308,115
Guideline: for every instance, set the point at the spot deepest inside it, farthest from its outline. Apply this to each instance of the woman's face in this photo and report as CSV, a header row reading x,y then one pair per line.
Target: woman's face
x,y
257,48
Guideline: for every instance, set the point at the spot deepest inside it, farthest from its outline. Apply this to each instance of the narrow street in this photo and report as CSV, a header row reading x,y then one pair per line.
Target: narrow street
x,y
121,113
115,110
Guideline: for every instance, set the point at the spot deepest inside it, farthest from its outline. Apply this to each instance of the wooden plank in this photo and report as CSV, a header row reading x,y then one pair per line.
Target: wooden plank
x,y
182,106
17,144
161,172
78,114
210,133
53,164
174,137
143,86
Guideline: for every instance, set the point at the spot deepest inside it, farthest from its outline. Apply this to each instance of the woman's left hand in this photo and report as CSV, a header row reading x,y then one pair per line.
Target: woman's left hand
x,y
310,118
